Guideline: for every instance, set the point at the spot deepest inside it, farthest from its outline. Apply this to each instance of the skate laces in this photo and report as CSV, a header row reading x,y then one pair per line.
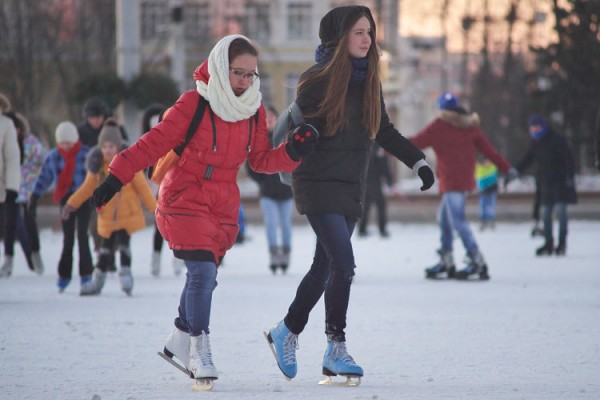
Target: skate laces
x,y
341,353
290,345
206,355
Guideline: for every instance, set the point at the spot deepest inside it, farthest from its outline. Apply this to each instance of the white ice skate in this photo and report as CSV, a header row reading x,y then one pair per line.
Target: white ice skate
x,y
38,264
177,347
201,363
94,286
126,280
178,266
155,263
7,267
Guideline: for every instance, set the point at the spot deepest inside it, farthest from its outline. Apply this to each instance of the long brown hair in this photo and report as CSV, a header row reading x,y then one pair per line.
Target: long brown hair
x,y
337,75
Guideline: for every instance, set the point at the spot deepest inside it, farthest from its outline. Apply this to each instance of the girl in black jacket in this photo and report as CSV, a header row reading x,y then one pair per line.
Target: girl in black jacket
x,y
341,97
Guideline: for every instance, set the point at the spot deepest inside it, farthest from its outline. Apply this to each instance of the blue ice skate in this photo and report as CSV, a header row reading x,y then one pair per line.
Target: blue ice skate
x,y
337,361
283,344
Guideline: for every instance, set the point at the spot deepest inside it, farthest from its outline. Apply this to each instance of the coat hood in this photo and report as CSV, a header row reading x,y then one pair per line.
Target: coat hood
x,y
201,72
95,160
458,119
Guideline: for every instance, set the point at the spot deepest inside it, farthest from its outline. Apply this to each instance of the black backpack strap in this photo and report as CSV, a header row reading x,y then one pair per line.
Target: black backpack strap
x,y
198,114
250,129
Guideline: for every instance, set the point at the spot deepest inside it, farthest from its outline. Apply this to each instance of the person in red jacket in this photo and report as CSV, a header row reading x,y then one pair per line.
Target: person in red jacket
x,y
456,139
199,198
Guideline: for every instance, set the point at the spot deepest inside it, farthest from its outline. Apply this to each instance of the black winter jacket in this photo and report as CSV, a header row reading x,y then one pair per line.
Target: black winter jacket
x,y
89,135
555,171
269,185
332,180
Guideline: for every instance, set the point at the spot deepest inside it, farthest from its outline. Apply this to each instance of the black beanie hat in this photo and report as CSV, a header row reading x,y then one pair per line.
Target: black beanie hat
x,y
95,107
339,20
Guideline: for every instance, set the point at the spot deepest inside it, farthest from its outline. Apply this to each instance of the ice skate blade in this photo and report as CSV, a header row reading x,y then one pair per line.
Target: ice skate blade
x,y
473,278
175,364
203,384
351,381
270,343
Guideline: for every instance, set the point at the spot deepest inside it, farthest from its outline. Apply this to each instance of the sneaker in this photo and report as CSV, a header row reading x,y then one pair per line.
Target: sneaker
x,y
84,280
337,361
284,345
62,284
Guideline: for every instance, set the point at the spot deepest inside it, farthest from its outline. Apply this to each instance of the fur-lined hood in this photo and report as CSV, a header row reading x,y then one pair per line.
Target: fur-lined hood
x,y
95,160
458,119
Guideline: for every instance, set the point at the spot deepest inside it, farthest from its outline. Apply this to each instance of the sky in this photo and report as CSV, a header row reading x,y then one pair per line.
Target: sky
x,y
531,332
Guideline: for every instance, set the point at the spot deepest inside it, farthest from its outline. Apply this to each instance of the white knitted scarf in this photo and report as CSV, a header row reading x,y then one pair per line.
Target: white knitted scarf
x,y
218,92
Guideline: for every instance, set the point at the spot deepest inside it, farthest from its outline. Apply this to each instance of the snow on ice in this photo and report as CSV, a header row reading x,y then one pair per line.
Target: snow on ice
x,y
531,332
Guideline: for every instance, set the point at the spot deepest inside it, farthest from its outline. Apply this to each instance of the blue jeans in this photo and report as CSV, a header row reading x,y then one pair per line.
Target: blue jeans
x,y
196,297
563,221
487,206
277,214
451,216
331,273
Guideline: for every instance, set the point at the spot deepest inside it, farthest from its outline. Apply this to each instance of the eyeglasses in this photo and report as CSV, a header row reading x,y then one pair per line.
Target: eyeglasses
x,y
241,74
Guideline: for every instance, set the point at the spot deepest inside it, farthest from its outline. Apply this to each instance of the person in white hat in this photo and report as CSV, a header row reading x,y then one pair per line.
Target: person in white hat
x,y
65,165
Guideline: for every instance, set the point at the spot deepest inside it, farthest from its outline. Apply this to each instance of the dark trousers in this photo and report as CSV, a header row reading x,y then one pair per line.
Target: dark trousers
x,y
78,219
93,227
331,273
9,210
158,239
31,230
118,239
374,196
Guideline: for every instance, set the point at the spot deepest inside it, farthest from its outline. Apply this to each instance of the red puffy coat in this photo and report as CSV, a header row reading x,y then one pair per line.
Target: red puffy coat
x,y
199,199
456,138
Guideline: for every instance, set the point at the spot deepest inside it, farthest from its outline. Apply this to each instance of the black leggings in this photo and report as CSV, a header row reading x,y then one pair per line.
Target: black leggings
x,y
81,218
107,250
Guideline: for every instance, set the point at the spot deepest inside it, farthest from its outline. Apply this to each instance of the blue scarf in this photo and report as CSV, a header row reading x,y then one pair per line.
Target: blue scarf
x,y
360,66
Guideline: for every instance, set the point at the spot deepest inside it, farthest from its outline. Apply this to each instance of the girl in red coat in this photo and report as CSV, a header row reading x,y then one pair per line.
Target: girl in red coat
x,y
199,199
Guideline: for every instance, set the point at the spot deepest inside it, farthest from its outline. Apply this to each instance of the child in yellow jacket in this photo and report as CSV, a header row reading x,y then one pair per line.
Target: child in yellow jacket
x,y
118,219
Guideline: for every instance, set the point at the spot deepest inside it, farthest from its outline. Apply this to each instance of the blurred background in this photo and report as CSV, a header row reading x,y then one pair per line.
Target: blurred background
x,y
503,58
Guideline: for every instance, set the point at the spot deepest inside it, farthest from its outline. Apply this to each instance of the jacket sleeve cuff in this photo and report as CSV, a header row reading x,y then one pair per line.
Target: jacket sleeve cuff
x,y
292,152
419,164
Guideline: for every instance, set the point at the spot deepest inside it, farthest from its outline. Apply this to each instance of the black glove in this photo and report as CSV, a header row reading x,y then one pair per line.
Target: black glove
x,y
511,175
106,191
32,205
426,175
302,141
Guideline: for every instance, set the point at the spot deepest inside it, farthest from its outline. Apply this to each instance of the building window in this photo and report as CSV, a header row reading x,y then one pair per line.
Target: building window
x,y
265,88
154,16
299,21
256,21
197,21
